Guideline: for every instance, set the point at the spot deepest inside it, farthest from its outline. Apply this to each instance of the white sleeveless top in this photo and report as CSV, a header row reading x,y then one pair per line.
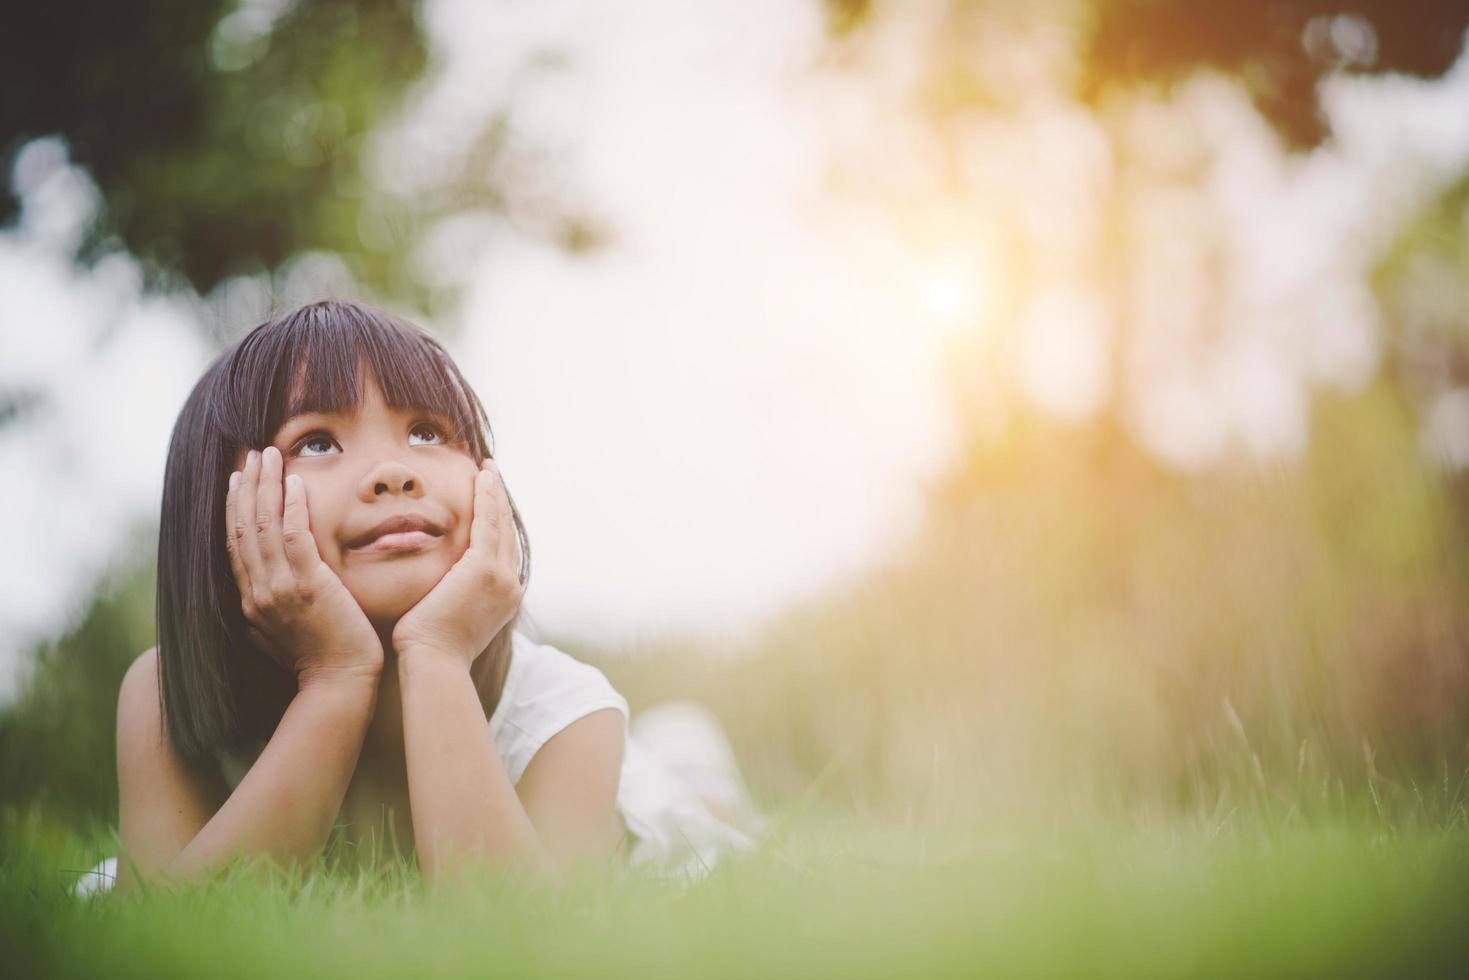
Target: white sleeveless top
x,y
676,755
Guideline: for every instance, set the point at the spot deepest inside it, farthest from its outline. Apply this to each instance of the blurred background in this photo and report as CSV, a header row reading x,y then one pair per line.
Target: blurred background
x,y
985,408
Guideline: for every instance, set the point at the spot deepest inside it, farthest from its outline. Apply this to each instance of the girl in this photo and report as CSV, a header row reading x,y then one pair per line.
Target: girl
x,y
339,581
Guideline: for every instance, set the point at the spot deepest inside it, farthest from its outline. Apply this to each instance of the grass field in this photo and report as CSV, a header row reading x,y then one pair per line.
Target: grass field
x,y
825,896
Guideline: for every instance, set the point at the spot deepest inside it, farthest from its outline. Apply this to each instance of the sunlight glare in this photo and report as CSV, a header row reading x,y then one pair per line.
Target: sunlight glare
x,y
949,297
955,289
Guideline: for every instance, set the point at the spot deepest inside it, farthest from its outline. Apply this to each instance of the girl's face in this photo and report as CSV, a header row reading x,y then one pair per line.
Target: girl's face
x,y
377,465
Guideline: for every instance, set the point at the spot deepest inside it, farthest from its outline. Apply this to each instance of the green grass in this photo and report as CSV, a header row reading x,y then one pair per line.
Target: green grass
x,y
824,896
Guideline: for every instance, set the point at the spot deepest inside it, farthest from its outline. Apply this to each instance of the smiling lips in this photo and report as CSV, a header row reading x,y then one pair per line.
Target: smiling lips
x,y
406,532
399,541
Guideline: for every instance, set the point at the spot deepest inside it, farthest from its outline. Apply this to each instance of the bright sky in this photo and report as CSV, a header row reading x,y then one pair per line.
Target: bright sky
x,y
738,402
725,409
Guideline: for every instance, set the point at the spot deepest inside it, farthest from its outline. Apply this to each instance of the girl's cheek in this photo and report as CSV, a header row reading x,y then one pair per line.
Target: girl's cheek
x,y
328,550
460,539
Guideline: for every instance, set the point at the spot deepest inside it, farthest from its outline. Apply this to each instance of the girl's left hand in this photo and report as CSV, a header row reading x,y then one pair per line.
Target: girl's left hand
x,y
480,593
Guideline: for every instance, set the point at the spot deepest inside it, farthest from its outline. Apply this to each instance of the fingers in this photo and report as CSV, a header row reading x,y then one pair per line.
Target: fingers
x,y
485,529
256,527
492,532
508,545
247,542
493,502
296,527
231,545
268,510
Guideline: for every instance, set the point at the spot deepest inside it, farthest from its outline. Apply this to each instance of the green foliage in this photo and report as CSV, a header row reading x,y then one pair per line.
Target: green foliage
x,y
58,740
1279,51
216,156
1423,282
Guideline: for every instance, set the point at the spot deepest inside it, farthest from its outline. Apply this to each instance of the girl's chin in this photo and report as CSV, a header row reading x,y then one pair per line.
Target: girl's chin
x,y
387,586
385,605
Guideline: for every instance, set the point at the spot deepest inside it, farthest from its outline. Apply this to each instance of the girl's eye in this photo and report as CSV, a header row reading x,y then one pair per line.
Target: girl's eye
x,y
427,431
315,444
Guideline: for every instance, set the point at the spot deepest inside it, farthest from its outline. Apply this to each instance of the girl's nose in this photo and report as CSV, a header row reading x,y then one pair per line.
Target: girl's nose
x,y
390,476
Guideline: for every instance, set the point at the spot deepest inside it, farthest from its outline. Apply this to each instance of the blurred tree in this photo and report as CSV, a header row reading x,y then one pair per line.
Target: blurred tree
x,y
223,138
1278,49
1242,631
58,740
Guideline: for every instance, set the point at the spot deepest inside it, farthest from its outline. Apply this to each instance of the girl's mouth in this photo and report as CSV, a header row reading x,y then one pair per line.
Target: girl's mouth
x,y
398,542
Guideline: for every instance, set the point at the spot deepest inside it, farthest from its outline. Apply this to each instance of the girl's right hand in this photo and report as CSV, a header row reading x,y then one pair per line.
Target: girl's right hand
x,y
297,609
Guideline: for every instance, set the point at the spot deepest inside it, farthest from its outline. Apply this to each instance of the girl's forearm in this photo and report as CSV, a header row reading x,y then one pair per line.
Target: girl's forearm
x,y
287,804
463,803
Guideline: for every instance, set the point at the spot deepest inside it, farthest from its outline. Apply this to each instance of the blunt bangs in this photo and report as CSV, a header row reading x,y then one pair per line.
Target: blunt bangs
x,y
310,361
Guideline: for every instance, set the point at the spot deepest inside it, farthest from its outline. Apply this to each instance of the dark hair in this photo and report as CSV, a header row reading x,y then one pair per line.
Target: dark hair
x,y
219,692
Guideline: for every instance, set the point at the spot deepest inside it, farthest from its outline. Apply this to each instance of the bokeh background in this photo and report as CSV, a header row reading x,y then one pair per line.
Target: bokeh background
x,y
985,408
